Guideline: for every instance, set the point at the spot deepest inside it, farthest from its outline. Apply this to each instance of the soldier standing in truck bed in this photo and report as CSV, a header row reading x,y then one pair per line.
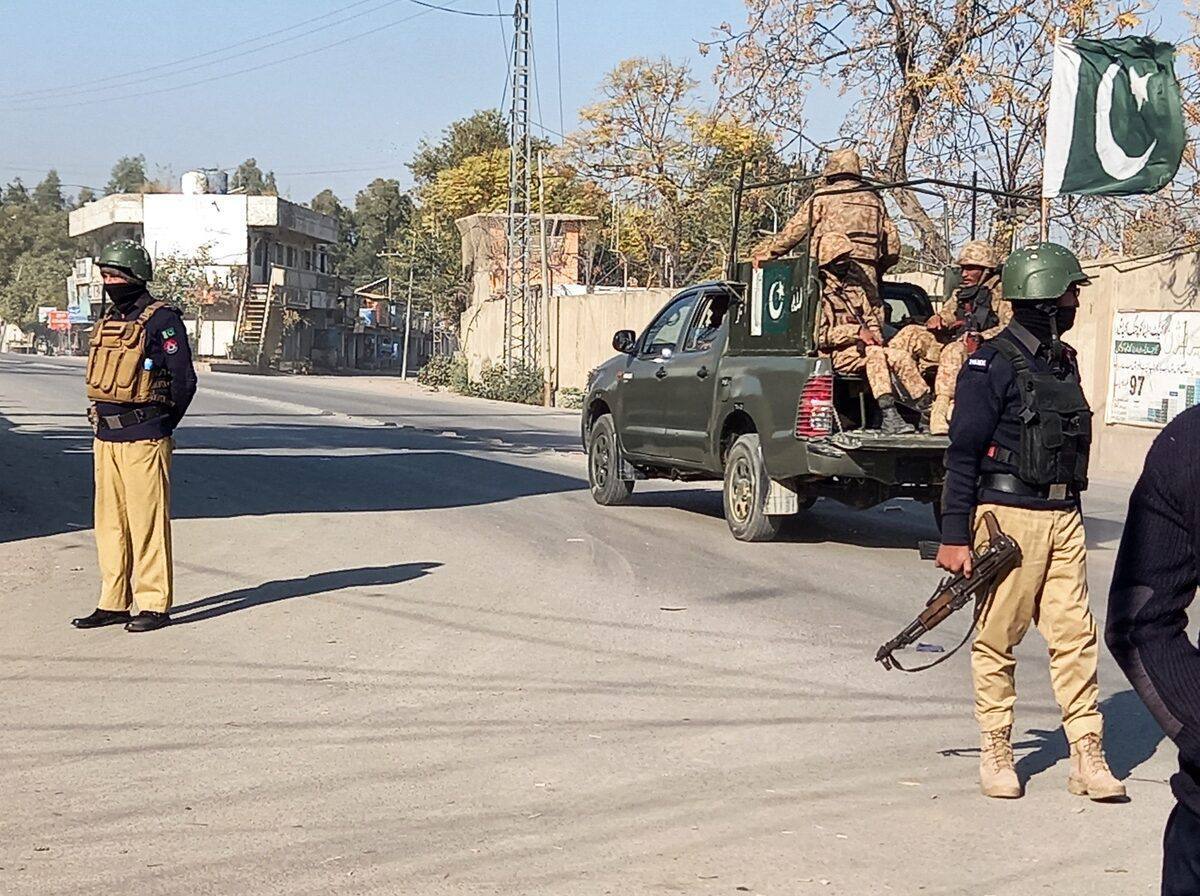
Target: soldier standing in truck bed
x,y
859,216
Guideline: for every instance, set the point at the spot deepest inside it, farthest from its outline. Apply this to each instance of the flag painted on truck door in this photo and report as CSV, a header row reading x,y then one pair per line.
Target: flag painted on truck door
x,y
1115,121
771,298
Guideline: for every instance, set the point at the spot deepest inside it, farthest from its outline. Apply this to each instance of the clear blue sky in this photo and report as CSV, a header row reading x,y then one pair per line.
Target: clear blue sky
x,y
361,105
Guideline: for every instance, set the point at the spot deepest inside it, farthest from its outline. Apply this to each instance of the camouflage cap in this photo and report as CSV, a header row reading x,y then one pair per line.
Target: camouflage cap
x,y
979,254
832,247
843,163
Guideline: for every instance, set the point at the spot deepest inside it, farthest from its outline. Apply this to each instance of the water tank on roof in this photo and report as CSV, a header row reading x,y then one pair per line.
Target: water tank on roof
x,y
194,183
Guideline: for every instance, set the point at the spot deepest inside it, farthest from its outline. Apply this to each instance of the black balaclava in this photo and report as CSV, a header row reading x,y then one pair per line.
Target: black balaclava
x,y
1040,319
124,295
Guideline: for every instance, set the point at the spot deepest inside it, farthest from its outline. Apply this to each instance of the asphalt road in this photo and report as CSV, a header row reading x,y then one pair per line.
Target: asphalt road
x,y
412,656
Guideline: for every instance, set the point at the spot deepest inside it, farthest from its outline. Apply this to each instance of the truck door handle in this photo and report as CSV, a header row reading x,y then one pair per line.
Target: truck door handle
x,y
702,373
661,373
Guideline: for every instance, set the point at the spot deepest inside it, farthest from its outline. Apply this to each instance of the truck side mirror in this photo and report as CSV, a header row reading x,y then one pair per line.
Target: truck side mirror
x,y
624,341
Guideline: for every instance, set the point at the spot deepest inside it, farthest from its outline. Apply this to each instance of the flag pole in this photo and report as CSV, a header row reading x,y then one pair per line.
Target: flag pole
x,y
1044,228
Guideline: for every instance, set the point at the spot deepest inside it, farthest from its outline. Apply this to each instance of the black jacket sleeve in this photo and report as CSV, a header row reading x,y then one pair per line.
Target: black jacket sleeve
x,y
1154,582
979,400
168,346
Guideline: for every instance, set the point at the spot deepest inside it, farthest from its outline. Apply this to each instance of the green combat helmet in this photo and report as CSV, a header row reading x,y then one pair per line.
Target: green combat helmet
x,y
127,256
1041,272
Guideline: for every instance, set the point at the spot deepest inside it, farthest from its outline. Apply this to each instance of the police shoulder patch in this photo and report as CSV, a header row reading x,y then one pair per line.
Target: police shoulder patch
x,y
170,346
168,332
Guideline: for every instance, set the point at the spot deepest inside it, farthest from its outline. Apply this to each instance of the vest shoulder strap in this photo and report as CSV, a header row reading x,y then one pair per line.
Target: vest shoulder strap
x,y
149,310
1013,354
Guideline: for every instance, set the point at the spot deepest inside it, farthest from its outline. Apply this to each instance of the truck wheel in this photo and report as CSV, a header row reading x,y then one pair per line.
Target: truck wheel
x,y
603,464
745,492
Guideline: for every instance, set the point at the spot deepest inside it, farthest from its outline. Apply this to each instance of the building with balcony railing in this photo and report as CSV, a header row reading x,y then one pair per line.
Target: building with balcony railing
x,y
272,290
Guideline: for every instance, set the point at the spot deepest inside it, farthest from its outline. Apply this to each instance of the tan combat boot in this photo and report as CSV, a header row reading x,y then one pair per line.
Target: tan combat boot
x,y
997,775
1090,775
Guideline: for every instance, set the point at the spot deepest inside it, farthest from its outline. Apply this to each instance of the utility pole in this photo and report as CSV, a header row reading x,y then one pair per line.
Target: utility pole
x,y
408,308
548,396
520,312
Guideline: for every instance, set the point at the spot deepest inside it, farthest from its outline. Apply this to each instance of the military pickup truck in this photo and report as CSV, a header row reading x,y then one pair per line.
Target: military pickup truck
x,y
726,384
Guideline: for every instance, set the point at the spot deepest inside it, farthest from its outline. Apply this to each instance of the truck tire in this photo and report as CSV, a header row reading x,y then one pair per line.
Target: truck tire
x,y
603,464
745,492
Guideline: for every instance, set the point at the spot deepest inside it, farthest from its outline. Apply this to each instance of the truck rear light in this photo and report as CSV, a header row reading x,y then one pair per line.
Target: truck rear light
x,y
814,413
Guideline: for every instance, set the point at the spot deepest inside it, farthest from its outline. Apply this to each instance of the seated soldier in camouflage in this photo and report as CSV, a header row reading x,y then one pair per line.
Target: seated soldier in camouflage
x,y
851,333
976,312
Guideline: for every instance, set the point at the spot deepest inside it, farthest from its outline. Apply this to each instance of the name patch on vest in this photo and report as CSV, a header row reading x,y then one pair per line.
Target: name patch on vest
x,y
978,363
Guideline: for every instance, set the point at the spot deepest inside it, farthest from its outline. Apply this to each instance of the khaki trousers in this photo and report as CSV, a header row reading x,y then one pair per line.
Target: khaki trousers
x,y
133,524
1050,590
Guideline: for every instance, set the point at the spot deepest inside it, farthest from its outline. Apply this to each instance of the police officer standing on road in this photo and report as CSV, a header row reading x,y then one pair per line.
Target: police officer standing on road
x,y
140,381
1019,443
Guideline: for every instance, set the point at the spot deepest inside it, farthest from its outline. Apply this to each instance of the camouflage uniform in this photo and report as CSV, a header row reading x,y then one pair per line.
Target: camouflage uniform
x,y
920,344
860,217
845,310
978,253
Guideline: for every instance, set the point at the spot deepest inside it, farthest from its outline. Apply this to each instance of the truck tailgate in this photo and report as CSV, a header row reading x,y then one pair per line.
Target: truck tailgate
x,y
873,440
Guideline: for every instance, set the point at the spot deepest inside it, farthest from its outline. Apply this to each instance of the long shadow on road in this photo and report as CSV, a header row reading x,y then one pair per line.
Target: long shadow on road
x,y
265,469
305,586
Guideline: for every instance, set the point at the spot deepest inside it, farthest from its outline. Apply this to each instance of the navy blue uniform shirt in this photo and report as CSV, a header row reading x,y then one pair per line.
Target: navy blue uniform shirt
x,y
1153,584
166,348
987,411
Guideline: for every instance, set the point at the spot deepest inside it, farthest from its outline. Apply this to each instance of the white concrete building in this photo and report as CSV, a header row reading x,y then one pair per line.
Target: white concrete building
x,y
264,251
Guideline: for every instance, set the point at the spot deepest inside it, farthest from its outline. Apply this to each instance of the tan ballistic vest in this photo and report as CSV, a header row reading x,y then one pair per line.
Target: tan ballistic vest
x,y
116,363
859,216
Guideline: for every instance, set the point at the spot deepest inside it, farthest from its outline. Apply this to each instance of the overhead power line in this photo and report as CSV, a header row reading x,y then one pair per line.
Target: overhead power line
x,y
461,12
133,77
242,71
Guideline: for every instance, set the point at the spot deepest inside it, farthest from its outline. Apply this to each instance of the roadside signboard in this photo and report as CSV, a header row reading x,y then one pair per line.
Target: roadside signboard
x,y
58,320
1154,373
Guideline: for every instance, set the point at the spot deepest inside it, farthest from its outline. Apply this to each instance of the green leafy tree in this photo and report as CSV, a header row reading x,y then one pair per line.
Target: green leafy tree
x,y
382,214
85,195
182,279
35,258
16,193
250,179
128,176
476,135
48,195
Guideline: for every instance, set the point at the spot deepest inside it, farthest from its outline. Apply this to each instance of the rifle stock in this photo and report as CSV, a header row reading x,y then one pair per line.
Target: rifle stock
x,y
995,560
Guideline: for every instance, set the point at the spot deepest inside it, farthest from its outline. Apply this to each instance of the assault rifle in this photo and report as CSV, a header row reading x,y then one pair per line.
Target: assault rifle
x,y
990,564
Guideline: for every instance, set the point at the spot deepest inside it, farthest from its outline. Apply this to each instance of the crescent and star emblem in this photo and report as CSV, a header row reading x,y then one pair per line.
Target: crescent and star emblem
x,y
1116,163
775,297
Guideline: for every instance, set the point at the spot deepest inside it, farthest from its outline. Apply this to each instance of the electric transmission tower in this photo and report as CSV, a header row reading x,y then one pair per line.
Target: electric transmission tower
x,y
520,307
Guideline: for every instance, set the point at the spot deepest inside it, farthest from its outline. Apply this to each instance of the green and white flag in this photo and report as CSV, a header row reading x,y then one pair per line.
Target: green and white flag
x,y
1115,121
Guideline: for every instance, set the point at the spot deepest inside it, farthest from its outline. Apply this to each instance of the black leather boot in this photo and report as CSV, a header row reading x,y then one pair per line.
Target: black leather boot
x,y
147,621
892,423
925,406
100,617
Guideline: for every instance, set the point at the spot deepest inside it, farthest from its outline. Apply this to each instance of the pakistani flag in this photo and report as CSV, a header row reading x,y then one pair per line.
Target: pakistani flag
x,y
1115,122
